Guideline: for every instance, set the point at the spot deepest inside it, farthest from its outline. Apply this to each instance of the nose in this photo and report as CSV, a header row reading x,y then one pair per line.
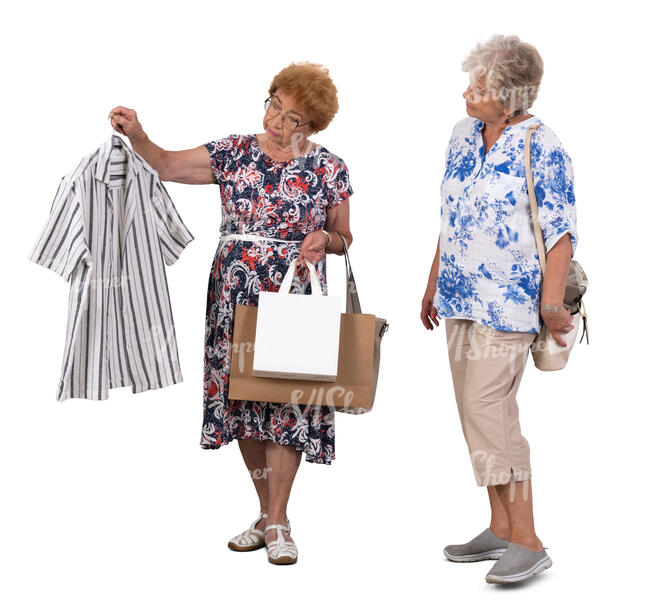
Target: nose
x,y
276,123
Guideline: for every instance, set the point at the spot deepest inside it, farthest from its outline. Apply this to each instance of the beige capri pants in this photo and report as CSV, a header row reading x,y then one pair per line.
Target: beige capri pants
x,y
486,367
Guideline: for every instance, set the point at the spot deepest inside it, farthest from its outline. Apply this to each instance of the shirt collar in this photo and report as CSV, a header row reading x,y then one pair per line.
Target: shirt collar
x,y
102,171
478,125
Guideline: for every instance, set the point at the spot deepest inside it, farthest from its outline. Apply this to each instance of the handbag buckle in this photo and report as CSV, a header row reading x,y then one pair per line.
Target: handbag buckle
x,y
384,329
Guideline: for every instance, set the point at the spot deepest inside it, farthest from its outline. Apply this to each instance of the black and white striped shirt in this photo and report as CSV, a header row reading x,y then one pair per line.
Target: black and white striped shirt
x,y
111,226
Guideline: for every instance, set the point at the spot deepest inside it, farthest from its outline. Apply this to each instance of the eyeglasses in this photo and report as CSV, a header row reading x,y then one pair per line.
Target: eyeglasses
x,y
274,107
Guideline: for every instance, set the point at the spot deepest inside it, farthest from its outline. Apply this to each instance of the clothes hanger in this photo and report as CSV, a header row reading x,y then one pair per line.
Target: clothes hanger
x,y
117,143
116,140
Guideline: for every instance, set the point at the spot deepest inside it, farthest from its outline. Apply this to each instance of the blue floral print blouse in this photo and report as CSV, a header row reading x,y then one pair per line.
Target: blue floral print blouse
x,y
489,268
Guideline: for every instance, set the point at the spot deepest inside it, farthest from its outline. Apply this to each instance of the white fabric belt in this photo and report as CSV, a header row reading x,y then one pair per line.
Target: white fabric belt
x,y
251,237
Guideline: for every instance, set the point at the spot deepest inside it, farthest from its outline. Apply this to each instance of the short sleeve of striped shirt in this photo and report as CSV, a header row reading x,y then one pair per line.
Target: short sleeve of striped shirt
x,y
172,232
62,246
220,151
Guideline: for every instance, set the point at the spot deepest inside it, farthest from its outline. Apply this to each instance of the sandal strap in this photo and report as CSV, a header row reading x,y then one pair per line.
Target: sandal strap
x,y
251,533
287,549
252,528
254,536
281,546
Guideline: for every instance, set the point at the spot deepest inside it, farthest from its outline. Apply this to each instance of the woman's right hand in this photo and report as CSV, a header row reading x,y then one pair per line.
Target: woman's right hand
x,y
125,121
558,323
429,313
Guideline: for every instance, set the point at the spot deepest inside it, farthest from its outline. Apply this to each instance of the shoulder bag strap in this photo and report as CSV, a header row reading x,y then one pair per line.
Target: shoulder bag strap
x,y
539,238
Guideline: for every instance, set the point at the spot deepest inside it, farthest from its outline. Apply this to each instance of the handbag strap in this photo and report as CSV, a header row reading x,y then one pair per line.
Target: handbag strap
x,y
532,196
352,304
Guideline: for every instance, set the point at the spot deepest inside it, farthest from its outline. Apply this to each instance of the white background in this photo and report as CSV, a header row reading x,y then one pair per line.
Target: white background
x,y
114,504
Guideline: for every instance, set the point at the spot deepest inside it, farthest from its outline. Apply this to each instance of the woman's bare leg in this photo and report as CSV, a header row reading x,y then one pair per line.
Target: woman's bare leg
x,y
517,500
499,523
282,464
254,453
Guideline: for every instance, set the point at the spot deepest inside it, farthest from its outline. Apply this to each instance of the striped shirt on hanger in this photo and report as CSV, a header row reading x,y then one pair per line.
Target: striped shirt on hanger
x,y
111,226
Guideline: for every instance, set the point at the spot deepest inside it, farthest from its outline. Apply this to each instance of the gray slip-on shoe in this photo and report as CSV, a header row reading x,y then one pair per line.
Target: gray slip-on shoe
x,y
485,546
518,564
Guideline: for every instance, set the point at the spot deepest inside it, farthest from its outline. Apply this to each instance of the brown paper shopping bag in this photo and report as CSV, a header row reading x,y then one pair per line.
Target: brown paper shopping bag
x,y
354,389
351,389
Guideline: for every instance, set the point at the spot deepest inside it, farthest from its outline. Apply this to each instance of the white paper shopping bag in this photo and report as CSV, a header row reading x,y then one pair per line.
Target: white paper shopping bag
x,y
297,335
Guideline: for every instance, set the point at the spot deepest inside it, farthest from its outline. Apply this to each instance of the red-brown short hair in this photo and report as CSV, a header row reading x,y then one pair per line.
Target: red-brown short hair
x,y
313,89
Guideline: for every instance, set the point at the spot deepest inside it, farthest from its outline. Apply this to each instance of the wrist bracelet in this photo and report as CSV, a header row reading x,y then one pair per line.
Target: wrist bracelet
x,y
549,308
329,238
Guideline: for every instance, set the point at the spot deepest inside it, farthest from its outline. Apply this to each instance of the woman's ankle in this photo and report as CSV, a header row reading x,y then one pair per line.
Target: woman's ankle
x,y
500,530
530,542
277,518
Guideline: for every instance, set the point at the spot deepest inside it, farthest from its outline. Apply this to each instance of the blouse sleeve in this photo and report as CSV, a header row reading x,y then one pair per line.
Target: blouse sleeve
x,y
173,235
220,151
553,177
61,246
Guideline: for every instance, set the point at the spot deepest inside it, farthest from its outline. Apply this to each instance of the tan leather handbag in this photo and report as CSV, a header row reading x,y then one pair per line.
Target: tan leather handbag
x,y
548,355
352,305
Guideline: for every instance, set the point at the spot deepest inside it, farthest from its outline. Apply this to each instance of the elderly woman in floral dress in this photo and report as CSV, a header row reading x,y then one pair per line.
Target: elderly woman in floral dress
x,y
485,282
282,197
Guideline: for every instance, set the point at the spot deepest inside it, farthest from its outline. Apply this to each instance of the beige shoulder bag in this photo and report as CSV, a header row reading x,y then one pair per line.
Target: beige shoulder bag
x,y
547,353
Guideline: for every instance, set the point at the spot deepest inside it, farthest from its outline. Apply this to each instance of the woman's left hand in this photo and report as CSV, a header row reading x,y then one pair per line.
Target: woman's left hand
x,y
312,248
558,323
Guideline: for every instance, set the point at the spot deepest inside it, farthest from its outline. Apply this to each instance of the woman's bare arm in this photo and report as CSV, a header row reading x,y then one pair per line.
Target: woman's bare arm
x,y
428,312
558,261
190,166
338,221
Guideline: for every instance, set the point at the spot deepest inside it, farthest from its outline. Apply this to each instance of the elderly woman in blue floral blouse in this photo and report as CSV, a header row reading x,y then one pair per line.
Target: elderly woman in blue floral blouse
x,y
485,281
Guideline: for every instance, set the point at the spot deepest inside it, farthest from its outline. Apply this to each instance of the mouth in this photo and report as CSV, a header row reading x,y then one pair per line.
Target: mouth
x,y
271,132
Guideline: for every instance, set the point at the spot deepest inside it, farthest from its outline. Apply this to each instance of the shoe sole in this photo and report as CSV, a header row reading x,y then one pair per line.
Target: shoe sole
x,y
542,565
283,560
236,548
488,555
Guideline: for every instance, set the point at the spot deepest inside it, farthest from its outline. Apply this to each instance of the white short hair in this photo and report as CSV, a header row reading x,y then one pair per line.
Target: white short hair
x,y
512,70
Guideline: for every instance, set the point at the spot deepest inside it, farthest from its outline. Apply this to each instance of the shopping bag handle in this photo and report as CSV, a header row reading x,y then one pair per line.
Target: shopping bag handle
x,y
352,304
288,279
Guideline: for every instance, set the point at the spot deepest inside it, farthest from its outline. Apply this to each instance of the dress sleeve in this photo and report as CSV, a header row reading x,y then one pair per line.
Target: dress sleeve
x,y
336,182
220,151
172,232
61,246
553,178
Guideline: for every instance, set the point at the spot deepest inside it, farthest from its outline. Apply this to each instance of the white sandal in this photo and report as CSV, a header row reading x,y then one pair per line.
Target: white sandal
x,y
250,539
281,551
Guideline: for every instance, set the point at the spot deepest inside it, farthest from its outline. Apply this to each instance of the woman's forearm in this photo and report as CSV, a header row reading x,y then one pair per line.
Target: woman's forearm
x,y
154,155
336,245
433,273
557,271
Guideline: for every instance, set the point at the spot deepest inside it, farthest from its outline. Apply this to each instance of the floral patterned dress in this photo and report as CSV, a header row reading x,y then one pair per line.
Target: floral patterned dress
x,y
279,199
